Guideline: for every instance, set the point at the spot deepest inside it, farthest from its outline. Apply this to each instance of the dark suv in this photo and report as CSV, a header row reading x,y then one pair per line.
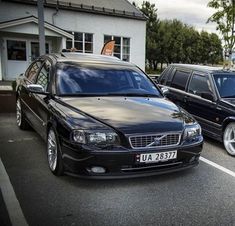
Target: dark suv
x,y
102,117
208,93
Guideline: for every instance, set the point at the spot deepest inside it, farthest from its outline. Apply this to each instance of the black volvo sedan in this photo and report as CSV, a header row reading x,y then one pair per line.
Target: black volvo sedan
x,y
104,118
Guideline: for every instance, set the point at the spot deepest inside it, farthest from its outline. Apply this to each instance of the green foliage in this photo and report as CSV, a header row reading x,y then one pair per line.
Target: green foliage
x,y
171,41
224,18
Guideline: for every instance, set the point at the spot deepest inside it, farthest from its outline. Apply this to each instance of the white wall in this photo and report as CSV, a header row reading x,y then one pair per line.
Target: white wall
x,y
90,23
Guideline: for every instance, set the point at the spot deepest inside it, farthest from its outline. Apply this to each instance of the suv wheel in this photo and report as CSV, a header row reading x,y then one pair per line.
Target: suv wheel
x,y
20,118
229,138
53,153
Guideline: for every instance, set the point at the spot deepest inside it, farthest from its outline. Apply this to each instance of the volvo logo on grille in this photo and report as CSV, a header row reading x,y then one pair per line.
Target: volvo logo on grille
x,y
156,141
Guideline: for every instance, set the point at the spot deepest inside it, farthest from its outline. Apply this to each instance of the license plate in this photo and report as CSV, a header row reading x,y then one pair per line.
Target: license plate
x,y
156,157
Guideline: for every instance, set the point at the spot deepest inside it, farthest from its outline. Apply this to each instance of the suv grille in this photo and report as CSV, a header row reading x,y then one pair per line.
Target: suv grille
x,y
157,140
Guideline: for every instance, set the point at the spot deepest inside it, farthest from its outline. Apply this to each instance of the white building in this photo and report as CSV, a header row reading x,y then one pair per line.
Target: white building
x,y
87,23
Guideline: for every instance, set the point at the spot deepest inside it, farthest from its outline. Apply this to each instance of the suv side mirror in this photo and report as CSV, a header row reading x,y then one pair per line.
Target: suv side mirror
x,y
208,96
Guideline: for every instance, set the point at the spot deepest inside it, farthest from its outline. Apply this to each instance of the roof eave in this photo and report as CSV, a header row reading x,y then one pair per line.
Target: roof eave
x,y
87,9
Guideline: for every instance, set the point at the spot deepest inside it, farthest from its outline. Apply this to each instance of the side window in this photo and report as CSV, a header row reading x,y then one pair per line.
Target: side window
x,y
169,78
43,76
164,76
180,79
32,72
199,84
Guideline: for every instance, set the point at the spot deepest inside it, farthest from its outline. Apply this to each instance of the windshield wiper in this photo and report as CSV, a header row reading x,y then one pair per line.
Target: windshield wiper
x,y
133,94
82,95
108,94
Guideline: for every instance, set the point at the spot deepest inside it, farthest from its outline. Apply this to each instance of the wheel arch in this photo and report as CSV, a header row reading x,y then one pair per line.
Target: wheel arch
x,y
227,121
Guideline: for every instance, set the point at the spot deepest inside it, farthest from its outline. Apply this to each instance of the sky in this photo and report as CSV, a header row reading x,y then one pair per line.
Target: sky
x,y
192,12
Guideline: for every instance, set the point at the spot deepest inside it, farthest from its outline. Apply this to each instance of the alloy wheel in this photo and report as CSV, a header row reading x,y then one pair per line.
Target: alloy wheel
x,y
18,113
229,138
52,149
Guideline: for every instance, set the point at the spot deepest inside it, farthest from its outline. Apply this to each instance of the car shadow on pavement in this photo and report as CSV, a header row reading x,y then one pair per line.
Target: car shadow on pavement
x,y
213,142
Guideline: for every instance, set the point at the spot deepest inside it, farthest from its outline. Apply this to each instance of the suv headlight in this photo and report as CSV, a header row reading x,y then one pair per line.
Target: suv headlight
x,y
192,131
95,137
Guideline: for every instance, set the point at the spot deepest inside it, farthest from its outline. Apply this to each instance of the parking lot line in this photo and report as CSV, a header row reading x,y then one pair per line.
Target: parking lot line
x,y
217,166
12,204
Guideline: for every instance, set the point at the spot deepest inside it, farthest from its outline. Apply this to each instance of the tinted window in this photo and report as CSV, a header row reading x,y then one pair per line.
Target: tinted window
x,y
102,79
225,84
180,79
199,84
33,71
16,50
43,76
164,76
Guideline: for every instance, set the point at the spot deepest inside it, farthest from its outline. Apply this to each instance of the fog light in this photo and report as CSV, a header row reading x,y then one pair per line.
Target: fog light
x,y
98,169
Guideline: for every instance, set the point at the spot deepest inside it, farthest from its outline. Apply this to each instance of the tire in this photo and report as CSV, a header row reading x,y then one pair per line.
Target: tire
x,y
229,138
20,118
54,157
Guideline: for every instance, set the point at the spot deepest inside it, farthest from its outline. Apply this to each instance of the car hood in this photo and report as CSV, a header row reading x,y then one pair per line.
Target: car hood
x,y
132,114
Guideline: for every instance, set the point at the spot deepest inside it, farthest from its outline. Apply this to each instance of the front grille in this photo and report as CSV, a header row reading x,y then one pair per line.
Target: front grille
x,y
157,140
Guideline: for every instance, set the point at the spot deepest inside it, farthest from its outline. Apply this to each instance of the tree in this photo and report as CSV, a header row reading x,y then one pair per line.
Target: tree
x,y
171,41
152,25
224,17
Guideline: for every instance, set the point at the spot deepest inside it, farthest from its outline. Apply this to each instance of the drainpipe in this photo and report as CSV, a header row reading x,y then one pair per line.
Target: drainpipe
x,y
55,13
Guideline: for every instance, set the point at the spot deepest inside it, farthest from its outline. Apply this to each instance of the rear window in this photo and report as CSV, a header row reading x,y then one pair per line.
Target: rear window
x,y
180,79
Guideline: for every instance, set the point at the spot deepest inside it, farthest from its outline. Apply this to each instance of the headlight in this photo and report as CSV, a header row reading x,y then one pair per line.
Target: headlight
x,y
192,132
95,137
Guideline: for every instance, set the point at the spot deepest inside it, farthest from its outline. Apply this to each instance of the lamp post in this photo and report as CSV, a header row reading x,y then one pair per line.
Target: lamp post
x,y
233,18
41,31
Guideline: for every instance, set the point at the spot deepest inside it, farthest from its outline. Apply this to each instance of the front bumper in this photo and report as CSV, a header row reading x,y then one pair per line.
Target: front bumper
x,y
122,163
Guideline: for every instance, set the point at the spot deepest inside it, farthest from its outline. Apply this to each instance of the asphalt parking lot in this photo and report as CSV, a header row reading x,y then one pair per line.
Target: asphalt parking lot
x,y
204,195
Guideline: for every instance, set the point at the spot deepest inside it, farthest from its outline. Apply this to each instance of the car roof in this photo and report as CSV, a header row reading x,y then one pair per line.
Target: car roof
x,y
203,68
89,58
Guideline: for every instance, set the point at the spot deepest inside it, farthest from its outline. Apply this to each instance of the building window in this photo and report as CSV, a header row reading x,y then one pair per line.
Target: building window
x,y
83,42
121,48
16,50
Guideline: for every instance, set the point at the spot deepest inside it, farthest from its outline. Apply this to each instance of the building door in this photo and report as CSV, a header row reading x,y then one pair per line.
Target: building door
x,y
19,54
16,58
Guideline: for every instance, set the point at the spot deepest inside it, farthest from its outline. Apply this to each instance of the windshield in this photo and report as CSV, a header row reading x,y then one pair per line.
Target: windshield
x,y
99,79
225,84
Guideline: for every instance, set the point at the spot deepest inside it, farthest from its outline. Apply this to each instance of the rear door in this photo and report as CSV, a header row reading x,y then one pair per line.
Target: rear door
x,y
177,83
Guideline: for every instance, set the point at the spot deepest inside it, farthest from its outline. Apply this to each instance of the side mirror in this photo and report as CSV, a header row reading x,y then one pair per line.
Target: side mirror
x,y
35,88
165,91
208,96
